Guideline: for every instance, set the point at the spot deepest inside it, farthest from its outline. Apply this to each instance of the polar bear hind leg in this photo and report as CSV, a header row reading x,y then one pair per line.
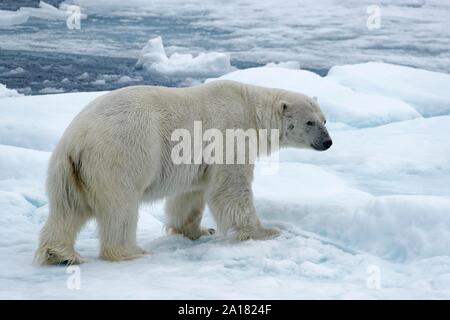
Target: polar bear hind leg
x,y
117,224
68,212
57,238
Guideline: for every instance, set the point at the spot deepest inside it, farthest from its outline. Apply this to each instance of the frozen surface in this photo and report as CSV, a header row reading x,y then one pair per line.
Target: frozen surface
x,y
379,199
428,92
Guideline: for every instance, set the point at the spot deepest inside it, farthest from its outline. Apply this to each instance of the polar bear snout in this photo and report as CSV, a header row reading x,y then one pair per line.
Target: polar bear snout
x,y
321,139
327,144
323,146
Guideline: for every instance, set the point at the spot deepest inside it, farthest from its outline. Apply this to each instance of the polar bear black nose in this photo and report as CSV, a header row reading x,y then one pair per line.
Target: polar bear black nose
x,y
327,144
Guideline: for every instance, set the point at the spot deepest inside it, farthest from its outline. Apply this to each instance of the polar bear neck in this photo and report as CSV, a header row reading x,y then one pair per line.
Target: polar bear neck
x,y
265,102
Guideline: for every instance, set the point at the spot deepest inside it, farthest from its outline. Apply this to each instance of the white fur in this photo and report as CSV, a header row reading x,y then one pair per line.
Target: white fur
x,y
116,153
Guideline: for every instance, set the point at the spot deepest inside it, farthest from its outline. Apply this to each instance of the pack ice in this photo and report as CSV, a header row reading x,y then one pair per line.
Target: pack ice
x,y
370,218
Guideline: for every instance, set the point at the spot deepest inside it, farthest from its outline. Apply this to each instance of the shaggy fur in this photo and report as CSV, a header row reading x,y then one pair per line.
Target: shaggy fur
x,y
116,153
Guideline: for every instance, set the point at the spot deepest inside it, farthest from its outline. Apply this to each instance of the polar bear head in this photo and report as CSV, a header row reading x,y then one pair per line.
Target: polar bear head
x,y
303,123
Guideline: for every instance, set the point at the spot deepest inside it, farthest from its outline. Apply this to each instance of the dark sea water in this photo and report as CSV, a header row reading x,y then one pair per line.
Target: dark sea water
x,y
54,72
47,65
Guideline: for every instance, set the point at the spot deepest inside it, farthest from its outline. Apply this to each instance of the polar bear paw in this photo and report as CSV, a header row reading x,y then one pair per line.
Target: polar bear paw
x,y
58,256
208,231
256,233
192,233
122,254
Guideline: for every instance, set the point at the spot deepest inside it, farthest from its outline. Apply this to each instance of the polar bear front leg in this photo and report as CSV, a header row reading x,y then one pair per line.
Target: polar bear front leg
x,y
230,199
184,214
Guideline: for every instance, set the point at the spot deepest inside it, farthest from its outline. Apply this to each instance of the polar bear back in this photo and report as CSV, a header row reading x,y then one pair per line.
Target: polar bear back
x,y
124,136
218,104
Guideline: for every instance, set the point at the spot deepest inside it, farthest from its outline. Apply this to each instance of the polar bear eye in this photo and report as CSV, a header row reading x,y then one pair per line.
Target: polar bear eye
x,y
324,121
310,123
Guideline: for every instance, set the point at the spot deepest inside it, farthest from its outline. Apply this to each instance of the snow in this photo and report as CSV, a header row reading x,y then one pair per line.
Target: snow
x,y
153,58
379,199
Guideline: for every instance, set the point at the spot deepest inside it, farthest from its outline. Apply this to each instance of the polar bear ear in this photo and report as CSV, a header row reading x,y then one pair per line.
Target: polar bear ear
x,y
282,107
315,99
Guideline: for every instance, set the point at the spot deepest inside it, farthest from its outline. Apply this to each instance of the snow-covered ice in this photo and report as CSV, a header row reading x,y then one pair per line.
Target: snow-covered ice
x,y
153,58
428,92
379,199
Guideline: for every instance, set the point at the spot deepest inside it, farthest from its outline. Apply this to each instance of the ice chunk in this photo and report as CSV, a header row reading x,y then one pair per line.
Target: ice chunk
x,y
126,79
5,92
83,76
51,90
284,64
14,71
153,58
44,11
11,18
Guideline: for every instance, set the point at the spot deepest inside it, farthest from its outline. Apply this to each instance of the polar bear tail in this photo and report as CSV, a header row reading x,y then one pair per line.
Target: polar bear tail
x,y
68,211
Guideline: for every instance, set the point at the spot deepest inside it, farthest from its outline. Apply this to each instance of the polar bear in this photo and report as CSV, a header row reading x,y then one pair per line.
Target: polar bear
x,y
116,153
